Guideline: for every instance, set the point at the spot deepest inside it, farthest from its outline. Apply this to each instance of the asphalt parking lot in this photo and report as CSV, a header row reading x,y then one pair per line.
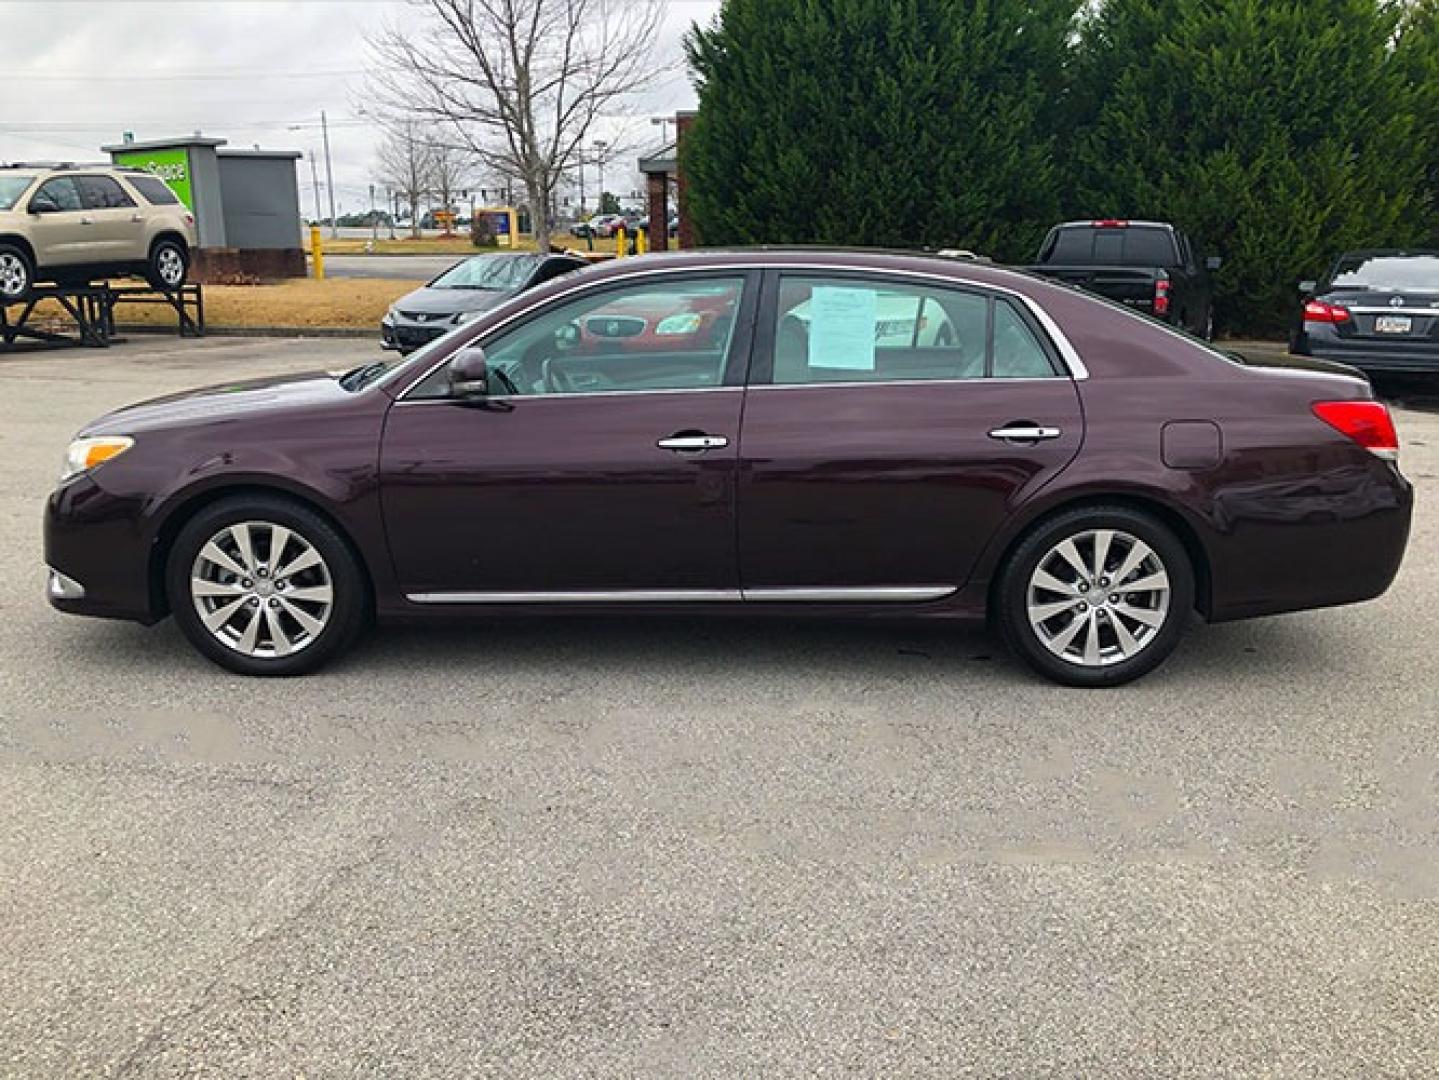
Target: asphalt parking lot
x,y
688,849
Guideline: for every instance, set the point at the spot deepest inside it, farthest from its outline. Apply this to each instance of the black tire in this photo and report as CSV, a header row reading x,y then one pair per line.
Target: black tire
x,y
1011,612
350,605
168,265
17,274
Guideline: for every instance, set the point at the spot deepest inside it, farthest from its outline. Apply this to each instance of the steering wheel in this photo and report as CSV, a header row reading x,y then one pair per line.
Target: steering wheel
x,y
559,381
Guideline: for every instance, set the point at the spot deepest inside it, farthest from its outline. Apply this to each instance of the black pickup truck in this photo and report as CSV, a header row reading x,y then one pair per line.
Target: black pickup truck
x,y
1146,265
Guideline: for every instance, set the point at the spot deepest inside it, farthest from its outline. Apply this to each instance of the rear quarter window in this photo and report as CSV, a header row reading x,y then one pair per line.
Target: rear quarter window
x,y
154,190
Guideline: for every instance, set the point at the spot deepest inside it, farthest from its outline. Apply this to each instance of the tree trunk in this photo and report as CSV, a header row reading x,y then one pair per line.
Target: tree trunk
x,y
414,218
539,212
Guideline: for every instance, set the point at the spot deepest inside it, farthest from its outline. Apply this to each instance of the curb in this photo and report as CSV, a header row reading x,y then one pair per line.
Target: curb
x,y
256,331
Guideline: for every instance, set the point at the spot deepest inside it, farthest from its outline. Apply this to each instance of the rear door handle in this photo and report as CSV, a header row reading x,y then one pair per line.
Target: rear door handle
x,y
693,444
1025,433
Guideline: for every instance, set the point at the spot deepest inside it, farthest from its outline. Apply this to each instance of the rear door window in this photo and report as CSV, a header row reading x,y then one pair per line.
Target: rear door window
x,y
857,330
102,193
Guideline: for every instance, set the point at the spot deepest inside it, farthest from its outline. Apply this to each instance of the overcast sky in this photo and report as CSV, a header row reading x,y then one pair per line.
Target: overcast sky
x,y
78,73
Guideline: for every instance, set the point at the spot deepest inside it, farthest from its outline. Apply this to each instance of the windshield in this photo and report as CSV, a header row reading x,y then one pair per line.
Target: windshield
x,y
11,188
1396,273
493,272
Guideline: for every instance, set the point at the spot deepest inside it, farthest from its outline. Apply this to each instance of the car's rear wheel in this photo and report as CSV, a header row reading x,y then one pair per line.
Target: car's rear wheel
x,y
265,586
169,264
17,274
1096,596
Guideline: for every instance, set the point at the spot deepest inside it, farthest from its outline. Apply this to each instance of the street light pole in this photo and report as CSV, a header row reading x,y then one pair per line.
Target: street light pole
x,y
329,175
600,147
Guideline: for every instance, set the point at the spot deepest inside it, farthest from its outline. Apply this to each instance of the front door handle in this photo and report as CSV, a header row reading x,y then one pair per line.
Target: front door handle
x,y
87,221
1025,433
693,444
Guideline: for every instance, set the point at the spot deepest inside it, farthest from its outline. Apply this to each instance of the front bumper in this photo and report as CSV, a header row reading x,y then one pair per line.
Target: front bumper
x,y
98,555
403,336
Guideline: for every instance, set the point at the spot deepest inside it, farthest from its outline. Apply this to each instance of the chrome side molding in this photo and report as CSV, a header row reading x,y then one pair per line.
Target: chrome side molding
x,y
802,594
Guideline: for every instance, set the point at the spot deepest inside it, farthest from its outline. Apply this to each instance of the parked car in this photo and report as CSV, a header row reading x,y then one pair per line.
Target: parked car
x,y
1147,265
71,224
463,292
599,225
1083,476
1376,310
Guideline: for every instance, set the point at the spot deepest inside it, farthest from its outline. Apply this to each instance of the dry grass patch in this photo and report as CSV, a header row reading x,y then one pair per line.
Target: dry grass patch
x,y
297,302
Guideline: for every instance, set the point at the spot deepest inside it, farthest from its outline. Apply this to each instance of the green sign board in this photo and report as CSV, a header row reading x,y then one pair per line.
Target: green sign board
x,y
171,166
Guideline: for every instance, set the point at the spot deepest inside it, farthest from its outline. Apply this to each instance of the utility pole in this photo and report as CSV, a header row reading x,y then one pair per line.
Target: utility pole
x,y
374,218
329,175
600,147
315,183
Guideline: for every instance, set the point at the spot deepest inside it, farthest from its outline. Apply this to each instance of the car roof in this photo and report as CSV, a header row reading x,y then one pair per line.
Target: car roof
x,y
1380,253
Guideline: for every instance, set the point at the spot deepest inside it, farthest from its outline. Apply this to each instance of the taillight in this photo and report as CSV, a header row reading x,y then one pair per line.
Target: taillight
x,y
1319,311
1366,422
1161,296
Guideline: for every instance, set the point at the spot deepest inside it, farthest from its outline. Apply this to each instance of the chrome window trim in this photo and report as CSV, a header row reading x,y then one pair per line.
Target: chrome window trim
x,y
1067,353
979,379
801,594
571,394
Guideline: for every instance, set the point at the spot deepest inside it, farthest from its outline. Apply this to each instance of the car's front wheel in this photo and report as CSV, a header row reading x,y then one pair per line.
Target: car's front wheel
x,y
168,266
1096,596
265,586
17,275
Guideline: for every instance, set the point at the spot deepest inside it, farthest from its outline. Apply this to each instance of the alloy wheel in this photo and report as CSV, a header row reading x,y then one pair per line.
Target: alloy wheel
x,y
14,275
170,265
1098,597
262,589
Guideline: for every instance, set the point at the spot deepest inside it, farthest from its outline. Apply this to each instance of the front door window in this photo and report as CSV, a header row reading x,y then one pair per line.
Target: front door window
x,y
662,335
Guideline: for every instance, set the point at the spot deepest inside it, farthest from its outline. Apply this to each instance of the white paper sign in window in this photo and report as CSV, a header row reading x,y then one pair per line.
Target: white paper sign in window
x,y
842,328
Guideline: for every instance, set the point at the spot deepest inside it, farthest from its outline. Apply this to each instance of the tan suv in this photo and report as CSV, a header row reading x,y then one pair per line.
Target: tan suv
x,y
72,224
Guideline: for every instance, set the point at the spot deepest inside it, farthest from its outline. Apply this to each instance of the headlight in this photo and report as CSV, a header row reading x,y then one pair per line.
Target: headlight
x,y
85,454
465,316
388,319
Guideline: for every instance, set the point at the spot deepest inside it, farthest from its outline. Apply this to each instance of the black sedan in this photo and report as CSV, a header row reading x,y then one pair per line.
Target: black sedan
x,y
1375,310
464,291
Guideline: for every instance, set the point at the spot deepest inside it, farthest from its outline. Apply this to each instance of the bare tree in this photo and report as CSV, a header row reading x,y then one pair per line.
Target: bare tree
x,y
449,171
519,82
406,166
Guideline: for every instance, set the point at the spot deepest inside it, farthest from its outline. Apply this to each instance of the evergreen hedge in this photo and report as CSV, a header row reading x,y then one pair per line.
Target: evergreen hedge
x,y
1277,132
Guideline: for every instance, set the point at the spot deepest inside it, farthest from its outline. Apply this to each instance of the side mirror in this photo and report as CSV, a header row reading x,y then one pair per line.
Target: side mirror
x,y
468,374
44,204
1308,286
1214,262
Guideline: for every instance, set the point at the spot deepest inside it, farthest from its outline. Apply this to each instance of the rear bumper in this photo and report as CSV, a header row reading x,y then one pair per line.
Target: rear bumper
x,y
1335,539
1387,358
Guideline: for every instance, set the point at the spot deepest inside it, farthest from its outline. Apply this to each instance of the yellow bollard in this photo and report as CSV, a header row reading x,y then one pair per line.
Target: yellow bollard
x,y
641,241
621,243
317,250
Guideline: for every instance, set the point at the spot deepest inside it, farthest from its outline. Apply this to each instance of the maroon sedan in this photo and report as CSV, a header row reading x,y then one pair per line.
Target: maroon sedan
x,y
788,432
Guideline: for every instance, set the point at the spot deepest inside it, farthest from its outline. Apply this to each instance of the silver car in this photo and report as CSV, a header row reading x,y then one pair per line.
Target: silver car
x,y
463,291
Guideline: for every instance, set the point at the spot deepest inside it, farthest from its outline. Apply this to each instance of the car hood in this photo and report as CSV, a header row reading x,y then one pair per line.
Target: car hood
x,y
429,301
226,401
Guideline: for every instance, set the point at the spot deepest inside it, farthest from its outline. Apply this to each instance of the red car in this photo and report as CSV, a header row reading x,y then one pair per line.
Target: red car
x,y
785,432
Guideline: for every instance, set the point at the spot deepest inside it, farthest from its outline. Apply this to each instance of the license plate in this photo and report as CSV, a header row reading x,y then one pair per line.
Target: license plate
x,y
1393,324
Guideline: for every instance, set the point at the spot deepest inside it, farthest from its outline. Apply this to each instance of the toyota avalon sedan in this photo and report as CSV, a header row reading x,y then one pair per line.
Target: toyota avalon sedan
x,y
463,291
748,432
1376,310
